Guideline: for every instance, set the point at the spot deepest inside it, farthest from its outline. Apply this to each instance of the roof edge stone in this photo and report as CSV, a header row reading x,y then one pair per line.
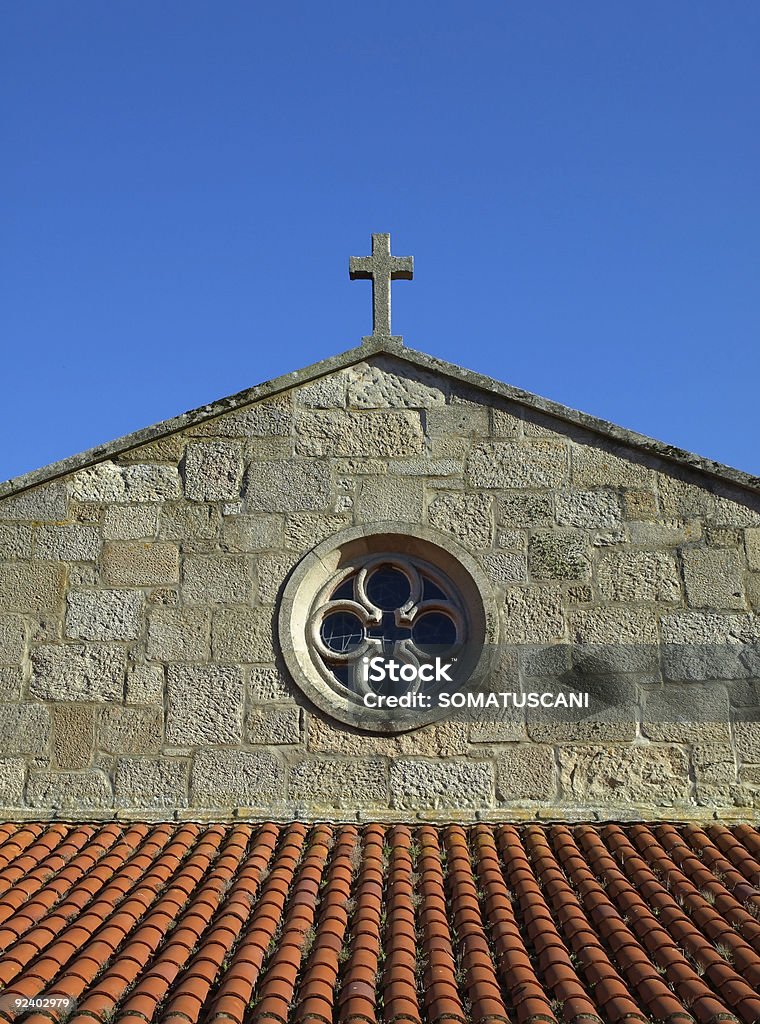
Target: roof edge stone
x,y
621,436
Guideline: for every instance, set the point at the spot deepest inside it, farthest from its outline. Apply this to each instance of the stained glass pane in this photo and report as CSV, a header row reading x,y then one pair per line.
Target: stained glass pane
x,y
434,632
342,632
388,589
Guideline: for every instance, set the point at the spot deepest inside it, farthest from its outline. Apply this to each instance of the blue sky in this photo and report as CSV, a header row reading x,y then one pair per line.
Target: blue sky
x,y
183,183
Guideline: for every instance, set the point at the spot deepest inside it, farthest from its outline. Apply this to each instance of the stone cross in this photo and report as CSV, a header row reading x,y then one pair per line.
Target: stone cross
x,y
381,268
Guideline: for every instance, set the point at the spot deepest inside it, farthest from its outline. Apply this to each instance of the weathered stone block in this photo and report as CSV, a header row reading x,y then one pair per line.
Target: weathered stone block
x,y
236,778
431,785
385,385
211,579
163,449
747,738
15,540
526,772
639,576
592,510
69,791
271,573
140,563
525,509
189,523
625,775
72,543
323,783
93,672
664,535
752,586
12,782
691,713
269,418
295,485
469,517
303,530
151,483
533,615
712,578
559,555
178,634
213,471
267,683
11,682
242,635
73,735
261,532
145,684
506,567
458,421
682,500
273,725
130,522
130,730
392,498
151,783
735,513
390,434
31,586
507,464
752,546
48,502
104,615
102,483
594,467
640,505
24,728
324,393
12,639
204,705
505,424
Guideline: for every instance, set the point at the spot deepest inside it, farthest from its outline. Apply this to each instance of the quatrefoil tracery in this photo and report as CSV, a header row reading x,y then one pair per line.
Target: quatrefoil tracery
x,y
400,609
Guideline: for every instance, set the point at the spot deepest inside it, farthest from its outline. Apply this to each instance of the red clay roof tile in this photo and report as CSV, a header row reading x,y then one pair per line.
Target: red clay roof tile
x,y
260,924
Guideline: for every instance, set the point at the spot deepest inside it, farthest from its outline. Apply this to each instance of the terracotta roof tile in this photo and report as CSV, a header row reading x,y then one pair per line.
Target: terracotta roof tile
x,y
394,924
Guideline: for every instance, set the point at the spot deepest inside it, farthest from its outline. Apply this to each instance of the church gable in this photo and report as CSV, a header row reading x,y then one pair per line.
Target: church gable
x,y
148,659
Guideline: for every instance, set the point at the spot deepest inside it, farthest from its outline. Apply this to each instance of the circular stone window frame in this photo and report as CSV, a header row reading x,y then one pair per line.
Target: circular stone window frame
x,y
349,548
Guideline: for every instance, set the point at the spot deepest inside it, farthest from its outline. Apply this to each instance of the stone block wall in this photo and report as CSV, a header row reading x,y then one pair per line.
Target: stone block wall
x,y
139,665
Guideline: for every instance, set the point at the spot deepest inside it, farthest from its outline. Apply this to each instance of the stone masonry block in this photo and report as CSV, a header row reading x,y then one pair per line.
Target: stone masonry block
x,y
594,467
508,464
236,778
526,772
505,567
559,555
431,785
271,574
639,504
12,639
140,564
612,626
212,579
151,483
525,510
68,543
327,392
327,783
130,730
303,530
152,782
12,772
130,522
269,418
267,683
392,498
382,384
11,682
185,522
458,421
533,615
391,434
589,510
469,517
242,635
713,578
69,791
747,737
15,540
639,576
47,503
262,532
92,672
204,705
73,735
273,725
179,634
688,713
295,485
145,684
752,546
102,483
625,775
31,586
213,471
104,614
24,728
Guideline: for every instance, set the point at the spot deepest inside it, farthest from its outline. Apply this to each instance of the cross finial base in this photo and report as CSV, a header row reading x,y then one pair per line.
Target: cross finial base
x,y
376,342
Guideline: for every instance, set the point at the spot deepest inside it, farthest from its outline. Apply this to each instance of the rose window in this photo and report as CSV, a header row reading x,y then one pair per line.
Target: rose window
x,y
388,611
